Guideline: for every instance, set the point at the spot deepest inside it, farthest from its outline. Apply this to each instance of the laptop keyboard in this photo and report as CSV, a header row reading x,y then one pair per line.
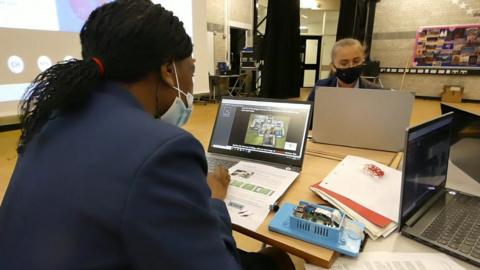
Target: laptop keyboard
x,y
214,162
458,225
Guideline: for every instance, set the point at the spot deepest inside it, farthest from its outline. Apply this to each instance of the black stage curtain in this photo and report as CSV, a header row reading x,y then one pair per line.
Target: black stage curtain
x,y
356,21
281,50
353,18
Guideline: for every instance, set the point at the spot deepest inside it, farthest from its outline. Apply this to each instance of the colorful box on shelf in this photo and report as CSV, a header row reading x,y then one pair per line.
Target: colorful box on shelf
x,y
320,225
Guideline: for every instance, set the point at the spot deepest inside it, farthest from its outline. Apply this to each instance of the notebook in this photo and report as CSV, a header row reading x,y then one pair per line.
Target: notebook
x,y
465,142
267,131
431,213
365,118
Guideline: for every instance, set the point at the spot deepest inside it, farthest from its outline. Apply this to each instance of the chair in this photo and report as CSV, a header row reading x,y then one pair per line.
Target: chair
x,y
212,85
371,72
239,85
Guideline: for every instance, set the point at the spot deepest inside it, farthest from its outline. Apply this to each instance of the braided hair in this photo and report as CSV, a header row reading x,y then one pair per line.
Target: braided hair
x,y
122,41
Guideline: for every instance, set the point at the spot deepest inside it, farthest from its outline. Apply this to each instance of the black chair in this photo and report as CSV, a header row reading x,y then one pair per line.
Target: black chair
x,y
371,72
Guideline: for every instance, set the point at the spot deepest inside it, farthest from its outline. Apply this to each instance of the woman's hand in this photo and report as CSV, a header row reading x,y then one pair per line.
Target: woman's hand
x,y
218,181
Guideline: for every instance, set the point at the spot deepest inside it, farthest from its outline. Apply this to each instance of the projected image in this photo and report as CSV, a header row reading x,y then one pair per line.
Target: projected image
x,y
267,130
54,26
47,15
73,13
68,15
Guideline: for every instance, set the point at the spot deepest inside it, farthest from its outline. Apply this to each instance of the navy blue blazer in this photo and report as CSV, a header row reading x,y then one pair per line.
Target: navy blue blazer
x,y
332,82
110,187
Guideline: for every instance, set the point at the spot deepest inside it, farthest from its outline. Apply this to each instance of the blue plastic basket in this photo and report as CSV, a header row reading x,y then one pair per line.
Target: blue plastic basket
x,y
339,238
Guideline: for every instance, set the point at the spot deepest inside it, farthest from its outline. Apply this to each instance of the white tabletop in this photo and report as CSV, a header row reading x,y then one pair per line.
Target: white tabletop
x,y
457,180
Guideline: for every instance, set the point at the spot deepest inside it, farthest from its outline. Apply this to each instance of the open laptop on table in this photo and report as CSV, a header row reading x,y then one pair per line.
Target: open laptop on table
x,y
267,131
365,118
465,142
430,213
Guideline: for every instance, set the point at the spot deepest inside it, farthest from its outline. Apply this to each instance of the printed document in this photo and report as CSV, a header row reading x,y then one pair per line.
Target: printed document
x,y
379,194
393,261
253,188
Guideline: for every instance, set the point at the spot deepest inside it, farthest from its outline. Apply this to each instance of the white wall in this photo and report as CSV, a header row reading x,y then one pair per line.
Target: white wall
x,y
327,28
200,49
223,14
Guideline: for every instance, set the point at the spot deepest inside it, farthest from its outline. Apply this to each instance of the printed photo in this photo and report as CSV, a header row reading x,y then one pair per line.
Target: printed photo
x,y
242,174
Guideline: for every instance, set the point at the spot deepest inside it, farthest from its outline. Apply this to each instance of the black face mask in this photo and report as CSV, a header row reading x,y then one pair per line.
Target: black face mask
x,y
349,75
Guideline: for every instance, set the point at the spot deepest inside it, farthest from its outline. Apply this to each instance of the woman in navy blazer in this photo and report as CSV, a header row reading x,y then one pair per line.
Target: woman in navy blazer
x,y
348,57
105,178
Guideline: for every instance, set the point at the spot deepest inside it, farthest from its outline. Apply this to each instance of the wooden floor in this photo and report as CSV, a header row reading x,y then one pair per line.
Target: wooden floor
x,y
201,124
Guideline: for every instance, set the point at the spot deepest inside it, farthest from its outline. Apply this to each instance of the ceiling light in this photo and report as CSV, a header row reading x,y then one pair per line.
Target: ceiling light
x,y
304,16
309,4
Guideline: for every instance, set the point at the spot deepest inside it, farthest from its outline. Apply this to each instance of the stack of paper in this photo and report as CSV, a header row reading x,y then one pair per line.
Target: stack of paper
x,y
393,260
253,189
374,201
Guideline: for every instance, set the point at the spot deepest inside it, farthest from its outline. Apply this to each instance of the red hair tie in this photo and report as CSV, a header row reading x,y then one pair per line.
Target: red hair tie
x,y
99,63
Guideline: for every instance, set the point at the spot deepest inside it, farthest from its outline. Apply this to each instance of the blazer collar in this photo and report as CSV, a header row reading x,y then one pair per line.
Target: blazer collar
x,y
121,93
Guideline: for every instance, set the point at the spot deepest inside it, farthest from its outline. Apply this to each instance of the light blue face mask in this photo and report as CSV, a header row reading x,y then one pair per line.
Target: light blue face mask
x,y
178,114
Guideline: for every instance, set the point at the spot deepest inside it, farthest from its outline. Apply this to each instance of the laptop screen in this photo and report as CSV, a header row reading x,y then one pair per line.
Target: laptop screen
x,y
465,143
426,162
261,129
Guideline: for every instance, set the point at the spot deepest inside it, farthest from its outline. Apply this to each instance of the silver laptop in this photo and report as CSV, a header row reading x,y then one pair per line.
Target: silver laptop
x,y
365,118
431,213
267,131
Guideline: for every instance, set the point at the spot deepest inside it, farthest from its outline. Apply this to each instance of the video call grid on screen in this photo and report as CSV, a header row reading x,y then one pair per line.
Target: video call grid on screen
x,y
263,130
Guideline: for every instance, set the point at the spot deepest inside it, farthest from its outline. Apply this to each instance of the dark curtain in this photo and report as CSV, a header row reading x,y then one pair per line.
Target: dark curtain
x,y
281,50
352,19
356,21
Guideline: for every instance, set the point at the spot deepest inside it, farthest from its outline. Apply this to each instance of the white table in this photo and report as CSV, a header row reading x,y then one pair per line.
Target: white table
x,y
457,180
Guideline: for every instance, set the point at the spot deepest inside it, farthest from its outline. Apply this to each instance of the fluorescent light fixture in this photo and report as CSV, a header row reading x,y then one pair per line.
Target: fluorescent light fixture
x,y
303,27
309,4
304,16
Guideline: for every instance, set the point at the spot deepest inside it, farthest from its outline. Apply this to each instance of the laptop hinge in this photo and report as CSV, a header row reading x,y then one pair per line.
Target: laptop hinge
x,y
414,218
276,165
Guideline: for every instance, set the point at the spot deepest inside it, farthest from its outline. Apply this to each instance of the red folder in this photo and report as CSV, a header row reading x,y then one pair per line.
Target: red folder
x,y
368,214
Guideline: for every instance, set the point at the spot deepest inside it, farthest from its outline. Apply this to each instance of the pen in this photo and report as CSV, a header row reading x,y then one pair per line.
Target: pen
x,y
275,206
362,245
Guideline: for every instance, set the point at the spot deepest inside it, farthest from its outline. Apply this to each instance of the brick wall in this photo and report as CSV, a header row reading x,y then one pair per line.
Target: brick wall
x,y
395,25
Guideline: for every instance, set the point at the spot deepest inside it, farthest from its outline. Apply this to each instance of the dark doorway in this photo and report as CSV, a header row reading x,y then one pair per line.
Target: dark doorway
x,y
310,49
237,43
